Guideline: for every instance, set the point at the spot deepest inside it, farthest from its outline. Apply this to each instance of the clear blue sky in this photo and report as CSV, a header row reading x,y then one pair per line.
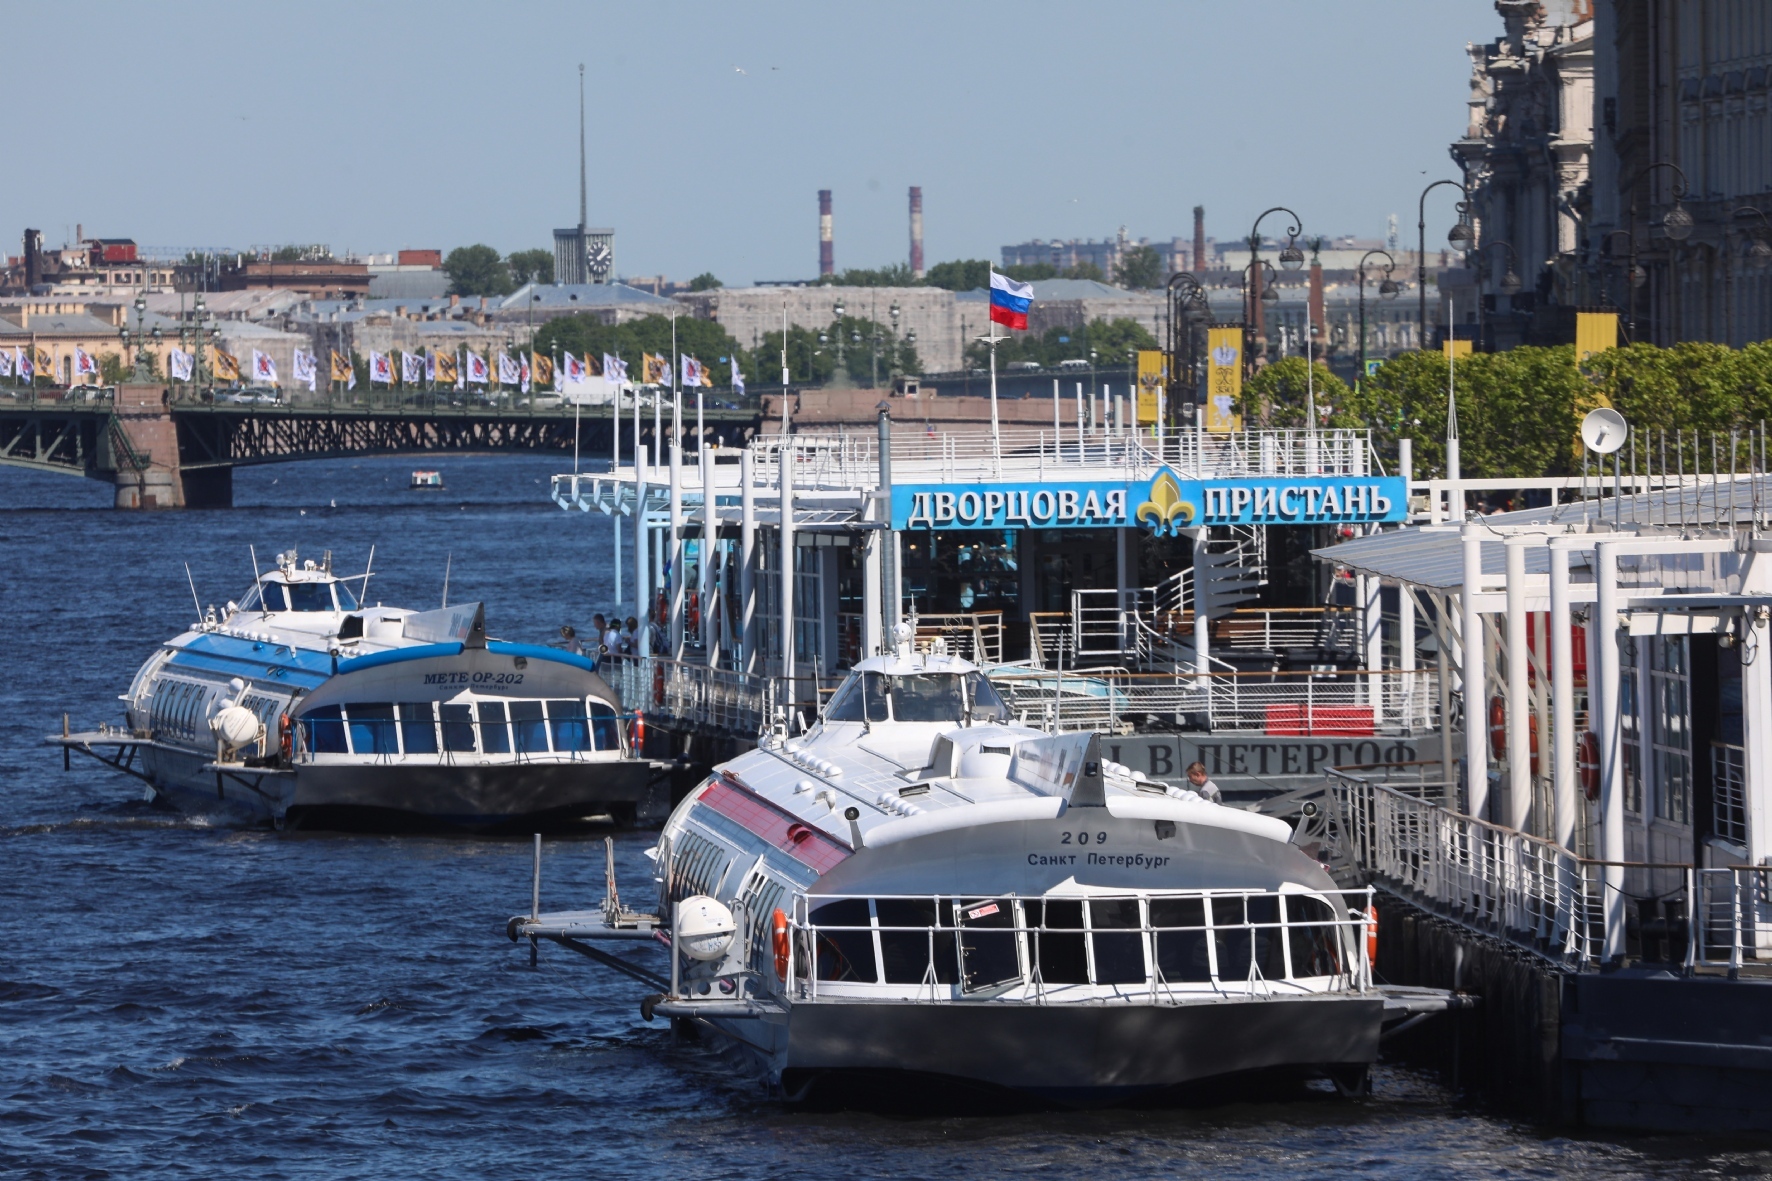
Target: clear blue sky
x,y
376,126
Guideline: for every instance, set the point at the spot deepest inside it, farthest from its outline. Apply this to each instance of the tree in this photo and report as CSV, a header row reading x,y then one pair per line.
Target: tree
x,y
477,270
1140,269
964,275
896,275
531,266
705,282
1109,338
1278,397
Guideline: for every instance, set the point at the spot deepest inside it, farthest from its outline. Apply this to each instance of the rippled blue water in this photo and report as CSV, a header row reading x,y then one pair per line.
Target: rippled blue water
x,y
182,1001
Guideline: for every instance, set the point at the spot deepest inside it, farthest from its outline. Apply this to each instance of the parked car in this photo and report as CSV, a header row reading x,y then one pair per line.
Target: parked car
x,y
1023,366
1073,363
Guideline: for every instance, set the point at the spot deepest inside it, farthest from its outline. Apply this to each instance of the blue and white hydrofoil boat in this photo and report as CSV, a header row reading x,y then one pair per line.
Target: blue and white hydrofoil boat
x,y
301,706
920,892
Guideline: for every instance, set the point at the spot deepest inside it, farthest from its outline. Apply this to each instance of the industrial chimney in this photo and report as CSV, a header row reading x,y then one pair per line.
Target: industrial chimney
x,y
33,259
1199,238
916,232
826,263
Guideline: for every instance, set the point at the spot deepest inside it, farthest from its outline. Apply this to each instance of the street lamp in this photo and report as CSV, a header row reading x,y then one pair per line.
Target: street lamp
x,y
1187,299
1386,290
1676,223
1291,258
1460,236
837,331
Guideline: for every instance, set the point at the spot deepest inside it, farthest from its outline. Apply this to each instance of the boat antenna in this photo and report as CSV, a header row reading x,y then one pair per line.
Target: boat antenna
x,y
255,574
446,560
363,591
198,603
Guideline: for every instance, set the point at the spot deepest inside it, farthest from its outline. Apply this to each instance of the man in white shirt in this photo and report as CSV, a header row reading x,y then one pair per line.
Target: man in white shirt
x,y
612,636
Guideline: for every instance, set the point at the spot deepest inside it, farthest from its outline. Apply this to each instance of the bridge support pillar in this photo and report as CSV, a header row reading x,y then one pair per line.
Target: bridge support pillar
x,y
143,455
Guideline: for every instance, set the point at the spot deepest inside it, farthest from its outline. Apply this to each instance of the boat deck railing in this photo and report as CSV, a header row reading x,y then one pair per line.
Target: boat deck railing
x,y
1144,947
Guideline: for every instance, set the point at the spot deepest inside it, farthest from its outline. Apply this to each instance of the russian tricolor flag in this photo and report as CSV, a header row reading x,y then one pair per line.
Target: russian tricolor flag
x,y
1010,301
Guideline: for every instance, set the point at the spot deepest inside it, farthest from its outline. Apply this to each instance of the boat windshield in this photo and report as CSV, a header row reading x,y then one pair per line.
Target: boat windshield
x,y
346,600
917,697
309,596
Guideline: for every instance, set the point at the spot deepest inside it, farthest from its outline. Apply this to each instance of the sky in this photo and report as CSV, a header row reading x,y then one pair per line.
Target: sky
x,y
711,126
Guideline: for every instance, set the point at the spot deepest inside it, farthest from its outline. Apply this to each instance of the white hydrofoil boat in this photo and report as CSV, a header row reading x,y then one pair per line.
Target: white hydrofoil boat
x,y
920,890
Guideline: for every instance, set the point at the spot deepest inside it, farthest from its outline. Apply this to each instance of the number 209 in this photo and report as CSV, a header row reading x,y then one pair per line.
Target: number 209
x,y
1083,838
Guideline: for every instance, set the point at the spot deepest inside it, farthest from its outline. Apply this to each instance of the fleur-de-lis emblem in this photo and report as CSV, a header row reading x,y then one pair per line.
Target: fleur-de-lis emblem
x,y
1165,512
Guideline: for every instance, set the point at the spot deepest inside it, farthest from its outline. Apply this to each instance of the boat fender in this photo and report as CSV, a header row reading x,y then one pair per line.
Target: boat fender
x,y
286,739
651,1001
1497,727
1372,934
778,937
511,927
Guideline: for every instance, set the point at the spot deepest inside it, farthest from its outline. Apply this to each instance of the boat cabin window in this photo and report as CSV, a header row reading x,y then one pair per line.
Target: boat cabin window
x,y
529,727
346,600
372,728
418,727
604,726
917,697
495,735
458,728
309,596
427,727
861,699
326,730
845,954
927,697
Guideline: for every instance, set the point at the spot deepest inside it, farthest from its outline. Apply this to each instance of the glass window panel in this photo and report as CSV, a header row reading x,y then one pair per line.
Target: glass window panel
x,y
571,730
846,705
849,954
274,598
873,698
326,730
986,705
988,954
495,735
309,596
604,727
906,952
418,727
1316,950
927,697
346,600
1061,955
529,727
458,727
372,728
1181,954
1116,941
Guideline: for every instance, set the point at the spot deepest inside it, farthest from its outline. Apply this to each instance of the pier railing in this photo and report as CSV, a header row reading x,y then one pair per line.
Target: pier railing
x,y
1355,703
694,695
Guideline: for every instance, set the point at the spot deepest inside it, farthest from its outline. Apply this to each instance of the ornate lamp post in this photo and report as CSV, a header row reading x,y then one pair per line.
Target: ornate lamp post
x,y
1676,223
1460,236
1757,257
1187,300
1291,258
1387,289
837,331
143,373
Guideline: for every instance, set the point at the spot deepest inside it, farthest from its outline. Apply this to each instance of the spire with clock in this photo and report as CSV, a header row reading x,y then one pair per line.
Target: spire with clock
x,y
583,254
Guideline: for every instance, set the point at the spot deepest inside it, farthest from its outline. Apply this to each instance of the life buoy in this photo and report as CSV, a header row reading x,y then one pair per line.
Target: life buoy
x,y
637,734
778,938
694,624
1587,764
1372,934
286,739
1498,732
661,606
658,684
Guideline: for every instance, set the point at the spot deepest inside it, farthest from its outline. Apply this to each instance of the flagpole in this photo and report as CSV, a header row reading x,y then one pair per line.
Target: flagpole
x,y
614,464
676,389
996,437
784,369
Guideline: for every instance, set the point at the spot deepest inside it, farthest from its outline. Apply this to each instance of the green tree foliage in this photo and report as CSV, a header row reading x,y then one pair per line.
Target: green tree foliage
x,y
531,266
1280,395
1109,338
896,275
1141,269
705,282
962,275
301,253
478,270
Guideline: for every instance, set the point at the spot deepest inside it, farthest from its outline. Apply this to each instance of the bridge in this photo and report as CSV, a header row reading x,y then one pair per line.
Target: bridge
x,y
161,450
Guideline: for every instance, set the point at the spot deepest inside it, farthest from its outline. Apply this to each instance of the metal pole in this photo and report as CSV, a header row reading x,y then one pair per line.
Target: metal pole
x,y
1605,625
1476,749
1566,792
709,533
1519,705
747,575
785,484
674,549
642,544
889,606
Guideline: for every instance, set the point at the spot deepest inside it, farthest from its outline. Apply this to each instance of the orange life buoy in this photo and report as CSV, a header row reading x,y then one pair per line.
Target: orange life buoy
x,y
637,734
1587,764
1498,732
286,739
779,940
694,624
1372,934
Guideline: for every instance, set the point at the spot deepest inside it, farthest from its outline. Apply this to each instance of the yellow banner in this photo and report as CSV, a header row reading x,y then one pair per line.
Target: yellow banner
x,y
1595,332
1224,379
341,367
1457,348
445,367
1151,374
541,370
227,366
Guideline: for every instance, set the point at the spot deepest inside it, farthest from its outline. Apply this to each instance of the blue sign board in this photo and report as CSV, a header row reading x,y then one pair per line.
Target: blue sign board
x,y
1165,505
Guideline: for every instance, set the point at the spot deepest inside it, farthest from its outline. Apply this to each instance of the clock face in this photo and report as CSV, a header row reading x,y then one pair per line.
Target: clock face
x,y
598,258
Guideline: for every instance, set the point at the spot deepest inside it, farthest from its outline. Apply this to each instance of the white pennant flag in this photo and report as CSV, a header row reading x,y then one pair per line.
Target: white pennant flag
x,y
412,369
5,362
737,376
178,364
507,370
478,373
381,370
303,365
263,368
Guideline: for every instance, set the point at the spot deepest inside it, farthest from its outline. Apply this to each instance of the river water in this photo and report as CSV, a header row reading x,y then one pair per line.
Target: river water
x,y
179,1000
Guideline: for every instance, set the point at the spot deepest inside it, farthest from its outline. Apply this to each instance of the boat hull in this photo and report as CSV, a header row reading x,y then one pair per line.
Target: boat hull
x,y
1075,1055
406,798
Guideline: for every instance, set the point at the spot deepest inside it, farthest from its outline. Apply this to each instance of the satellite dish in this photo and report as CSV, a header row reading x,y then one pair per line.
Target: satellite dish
x,y
1604,430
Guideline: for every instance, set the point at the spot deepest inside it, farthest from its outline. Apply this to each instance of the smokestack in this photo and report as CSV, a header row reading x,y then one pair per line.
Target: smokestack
x,y
916,232
1199,238
33,258
826,262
